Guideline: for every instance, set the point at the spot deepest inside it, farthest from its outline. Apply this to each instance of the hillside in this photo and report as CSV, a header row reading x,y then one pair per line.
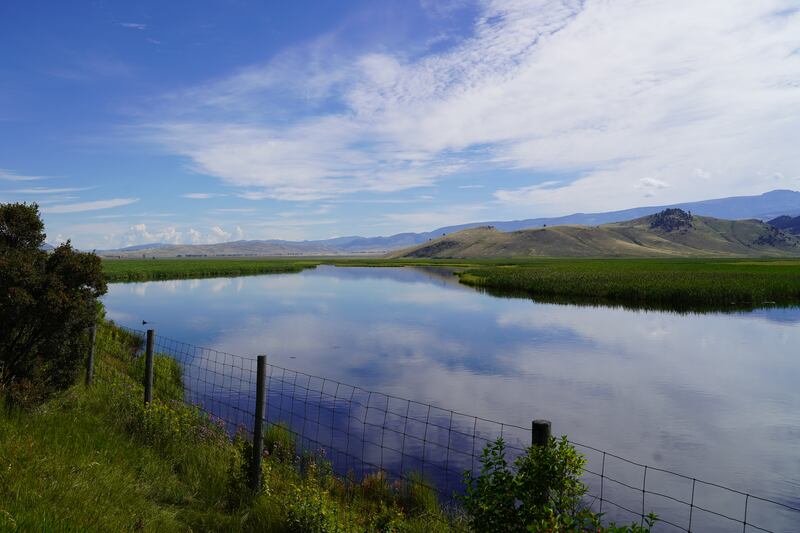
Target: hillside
x,y
786,224
672,232
226,249
763,207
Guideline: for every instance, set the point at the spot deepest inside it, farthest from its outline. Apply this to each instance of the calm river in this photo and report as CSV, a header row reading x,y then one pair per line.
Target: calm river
x,y
713,396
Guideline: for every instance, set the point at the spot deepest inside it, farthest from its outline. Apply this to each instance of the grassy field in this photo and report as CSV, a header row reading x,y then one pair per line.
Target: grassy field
x,y
117,270
96,459
681,284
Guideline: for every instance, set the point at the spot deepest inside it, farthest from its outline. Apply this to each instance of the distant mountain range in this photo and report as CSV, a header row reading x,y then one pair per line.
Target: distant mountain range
x,y
761,207
669,233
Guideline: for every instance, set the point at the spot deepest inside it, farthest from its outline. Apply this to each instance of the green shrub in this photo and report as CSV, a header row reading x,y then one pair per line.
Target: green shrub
x,y
47,302
541,491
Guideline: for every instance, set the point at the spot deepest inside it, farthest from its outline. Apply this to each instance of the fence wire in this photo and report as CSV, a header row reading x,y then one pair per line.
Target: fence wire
x,y
366,433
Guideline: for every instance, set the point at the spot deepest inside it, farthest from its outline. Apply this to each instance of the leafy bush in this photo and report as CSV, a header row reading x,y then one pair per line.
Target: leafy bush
x,y
541,491
47,302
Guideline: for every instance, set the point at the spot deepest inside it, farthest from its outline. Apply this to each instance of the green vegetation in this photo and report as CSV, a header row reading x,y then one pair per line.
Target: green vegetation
x,y
154,269
670,284
670,233
47,300
106,462
697,285
542,491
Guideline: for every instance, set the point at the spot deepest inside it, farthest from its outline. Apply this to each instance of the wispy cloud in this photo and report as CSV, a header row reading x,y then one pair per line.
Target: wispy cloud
x,y
541,85
7,175
46,190
234,210
133,25
201,195
89,206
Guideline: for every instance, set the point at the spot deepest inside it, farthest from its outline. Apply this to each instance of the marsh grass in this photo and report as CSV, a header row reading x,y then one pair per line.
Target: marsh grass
x,y
665,284
690,285
125,270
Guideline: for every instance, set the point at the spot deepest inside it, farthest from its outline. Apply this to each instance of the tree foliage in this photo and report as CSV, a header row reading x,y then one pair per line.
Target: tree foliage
x,y
47,302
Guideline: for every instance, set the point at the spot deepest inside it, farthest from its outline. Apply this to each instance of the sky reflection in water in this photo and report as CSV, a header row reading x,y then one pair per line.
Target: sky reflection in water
x,y
714,396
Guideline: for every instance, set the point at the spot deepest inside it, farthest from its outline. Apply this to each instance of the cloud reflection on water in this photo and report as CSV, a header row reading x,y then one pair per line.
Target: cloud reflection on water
x,y
712,395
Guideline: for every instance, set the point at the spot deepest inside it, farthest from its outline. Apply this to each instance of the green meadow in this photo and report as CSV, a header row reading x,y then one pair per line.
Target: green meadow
x,y
680,284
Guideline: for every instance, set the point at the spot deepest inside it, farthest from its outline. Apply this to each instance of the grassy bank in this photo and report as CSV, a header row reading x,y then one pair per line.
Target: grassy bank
x,y
691,284
647,283
95,459
120,270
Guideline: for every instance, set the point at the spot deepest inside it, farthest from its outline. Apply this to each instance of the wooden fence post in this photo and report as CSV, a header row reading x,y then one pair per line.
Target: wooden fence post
x,y
540,432
90,358
148,368
258,423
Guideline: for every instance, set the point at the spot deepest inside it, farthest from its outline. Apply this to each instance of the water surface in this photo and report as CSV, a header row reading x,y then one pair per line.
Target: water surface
x,y
714,396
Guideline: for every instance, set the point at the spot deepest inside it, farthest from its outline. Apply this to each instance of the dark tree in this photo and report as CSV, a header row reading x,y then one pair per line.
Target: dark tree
x,y
47,302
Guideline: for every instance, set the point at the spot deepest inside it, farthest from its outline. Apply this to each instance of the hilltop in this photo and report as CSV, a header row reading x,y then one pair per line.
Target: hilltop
x,y
672,232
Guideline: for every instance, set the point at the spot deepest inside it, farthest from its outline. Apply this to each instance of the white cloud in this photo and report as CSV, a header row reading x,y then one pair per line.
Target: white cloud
x,y
234,210
650,185
601,92
46,190
201,195
139,234
702,174
89,206
218,234
133,25
7,175
142,234
194,236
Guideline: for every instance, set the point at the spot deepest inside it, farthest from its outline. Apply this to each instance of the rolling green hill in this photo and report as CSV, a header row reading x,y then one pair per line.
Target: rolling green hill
x,y
670,233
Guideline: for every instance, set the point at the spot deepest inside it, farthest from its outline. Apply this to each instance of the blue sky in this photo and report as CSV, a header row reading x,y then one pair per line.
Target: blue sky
x,y
132,122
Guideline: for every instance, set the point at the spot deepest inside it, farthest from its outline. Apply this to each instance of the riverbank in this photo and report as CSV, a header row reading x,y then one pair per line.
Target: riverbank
x,y
95,459
680,284
698,285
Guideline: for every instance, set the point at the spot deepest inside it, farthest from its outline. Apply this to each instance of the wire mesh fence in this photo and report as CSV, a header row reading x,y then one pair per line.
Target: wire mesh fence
x,y
363,433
